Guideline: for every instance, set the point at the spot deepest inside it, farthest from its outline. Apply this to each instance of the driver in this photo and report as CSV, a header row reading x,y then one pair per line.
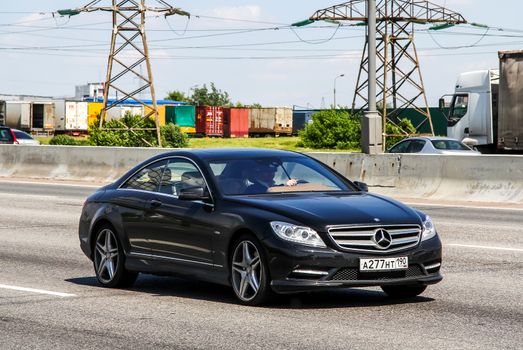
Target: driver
x,y
262,178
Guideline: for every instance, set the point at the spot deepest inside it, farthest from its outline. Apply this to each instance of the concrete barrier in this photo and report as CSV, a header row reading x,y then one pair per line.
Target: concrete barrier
x,y
92,164
489,178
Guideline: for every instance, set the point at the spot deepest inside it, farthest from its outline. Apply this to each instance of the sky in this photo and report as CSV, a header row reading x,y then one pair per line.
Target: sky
x,y
246,48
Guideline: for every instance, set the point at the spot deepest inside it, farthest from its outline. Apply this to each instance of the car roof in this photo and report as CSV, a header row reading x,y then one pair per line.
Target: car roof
x,y
231,153
431,138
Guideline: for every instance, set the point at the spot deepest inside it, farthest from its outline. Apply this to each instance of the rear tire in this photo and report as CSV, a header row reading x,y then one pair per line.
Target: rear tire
x,y
109,260
401,292
249,272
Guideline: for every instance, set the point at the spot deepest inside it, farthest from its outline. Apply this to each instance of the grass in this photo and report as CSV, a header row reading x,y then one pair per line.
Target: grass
x,y
44,140
285,143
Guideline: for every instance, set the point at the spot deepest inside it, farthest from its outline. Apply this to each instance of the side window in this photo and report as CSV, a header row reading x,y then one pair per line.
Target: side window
x,y
180,174
458,108
5,135
22,135
416,146
400,148
147,179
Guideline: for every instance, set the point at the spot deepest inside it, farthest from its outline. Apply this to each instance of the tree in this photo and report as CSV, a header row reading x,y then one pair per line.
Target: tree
x,y
202,96
178,96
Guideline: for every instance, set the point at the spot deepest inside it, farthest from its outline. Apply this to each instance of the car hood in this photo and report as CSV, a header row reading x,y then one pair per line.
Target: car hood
x,y
324,209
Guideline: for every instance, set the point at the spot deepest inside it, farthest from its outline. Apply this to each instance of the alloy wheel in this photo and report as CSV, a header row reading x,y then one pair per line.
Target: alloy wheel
x,y
106,256
247,271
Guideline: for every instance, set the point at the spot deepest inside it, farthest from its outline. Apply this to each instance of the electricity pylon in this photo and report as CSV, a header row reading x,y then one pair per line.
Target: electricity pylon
x,y
399,80
128,51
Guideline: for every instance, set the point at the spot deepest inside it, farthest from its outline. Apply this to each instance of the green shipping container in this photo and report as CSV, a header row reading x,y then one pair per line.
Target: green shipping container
x,y
183,116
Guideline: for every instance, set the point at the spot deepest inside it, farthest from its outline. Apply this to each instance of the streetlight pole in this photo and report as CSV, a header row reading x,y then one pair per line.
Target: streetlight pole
x,y
339,76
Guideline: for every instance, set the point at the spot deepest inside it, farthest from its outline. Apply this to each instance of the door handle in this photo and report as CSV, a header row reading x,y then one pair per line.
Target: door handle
x,y
155,203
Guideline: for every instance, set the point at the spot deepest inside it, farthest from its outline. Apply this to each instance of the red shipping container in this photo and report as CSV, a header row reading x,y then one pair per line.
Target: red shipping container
x,y
209,121
236,122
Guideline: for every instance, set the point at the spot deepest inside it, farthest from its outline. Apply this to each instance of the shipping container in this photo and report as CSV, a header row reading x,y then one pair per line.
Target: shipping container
x,y
183,116
510,102
94,109
71,116
300,118
236,122
43,116
161,113
18,115
209,121
270,121
132,110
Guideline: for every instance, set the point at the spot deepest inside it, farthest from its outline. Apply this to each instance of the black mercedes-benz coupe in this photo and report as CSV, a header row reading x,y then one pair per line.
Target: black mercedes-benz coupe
x,y
261,221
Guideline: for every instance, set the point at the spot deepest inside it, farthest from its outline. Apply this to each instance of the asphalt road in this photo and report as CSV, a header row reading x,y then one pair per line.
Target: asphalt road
x,y
479,304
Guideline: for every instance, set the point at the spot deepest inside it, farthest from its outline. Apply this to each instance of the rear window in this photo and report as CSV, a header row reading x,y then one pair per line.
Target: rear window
x,y
449,145
22,135
5,136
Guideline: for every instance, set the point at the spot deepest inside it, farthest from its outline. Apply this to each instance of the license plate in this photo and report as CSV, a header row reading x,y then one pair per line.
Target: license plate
x,y
384,264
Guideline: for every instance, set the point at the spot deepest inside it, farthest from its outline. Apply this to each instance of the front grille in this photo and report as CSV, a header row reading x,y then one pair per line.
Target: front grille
x,y
353,274
362,238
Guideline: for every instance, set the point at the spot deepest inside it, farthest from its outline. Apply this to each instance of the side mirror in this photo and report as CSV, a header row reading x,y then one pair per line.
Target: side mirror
x,y
193,194
362,186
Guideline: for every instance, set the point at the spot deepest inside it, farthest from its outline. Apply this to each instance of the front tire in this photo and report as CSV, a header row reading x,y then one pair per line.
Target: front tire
x,y
249,273
401,292
108,260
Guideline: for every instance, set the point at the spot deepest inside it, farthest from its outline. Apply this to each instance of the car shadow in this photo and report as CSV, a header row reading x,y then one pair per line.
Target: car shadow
x,y
196,290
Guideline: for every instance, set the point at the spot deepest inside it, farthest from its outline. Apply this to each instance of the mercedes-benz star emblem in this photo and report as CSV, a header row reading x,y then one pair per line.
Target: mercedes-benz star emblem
x,y
382,239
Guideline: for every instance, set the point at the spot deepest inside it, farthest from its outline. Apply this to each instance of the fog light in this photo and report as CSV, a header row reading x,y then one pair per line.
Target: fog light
x,y
432,266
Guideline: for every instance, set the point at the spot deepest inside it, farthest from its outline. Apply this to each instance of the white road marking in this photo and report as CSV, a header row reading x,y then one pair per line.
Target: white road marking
x,y
43,182
38,291
484,247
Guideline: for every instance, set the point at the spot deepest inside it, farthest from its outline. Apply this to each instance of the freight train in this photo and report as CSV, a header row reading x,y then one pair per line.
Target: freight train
x,y
74,117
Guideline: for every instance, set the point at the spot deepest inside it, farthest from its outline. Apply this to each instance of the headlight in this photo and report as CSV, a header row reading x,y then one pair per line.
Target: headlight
x,y
297,234
429,230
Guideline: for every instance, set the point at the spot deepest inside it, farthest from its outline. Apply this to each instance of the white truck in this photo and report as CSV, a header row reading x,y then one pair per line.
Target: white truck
x,y
486,110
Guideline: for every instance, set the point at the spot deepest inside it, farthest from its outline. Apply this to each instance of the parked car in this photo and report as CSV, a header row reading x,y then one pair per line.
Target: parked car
x,y
261,221
15,136
432,145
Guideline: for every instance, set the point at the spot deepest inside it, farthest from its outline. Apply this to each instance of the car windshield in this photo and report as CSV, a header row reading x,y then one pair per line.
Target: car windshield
x,y
450,145
274,175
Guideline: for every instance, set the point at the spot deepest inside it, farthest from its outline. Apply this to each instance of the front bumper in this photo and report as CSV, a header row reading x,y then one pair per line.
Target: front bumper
x,y
296,268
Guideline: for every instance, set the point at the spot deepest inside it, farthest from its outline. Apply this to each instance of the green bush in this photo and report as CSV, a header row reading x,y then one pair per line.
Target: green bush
x,y
117,133
404,127
173,137
63,140
332,129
